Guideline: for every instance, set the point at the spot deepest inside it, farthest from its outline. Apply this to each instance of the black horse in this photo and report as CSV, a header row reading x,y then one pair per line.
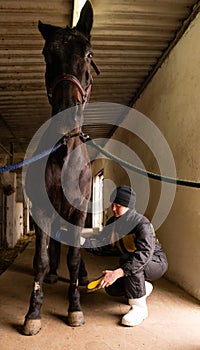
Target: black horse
x,y
67,178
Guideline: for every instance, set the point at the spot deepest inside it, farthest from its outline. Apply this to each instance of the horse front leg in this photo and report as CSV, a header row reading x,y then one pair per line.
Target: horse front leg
x,y
32,324
75,314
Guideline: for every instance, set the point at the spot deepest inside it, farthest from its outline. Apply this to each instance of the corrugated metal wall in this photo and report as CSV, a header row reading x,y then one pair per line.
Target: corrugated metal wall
x,y
128,37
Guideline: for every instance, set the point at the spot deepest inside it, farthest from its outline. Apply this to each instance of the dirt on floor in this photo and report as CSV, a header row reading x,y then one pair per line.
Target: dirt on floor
x,y
8,255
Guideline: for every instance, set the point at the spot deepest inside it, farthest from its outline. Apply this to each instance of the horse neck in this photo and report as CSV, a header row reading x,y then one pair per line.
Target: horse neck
x,y
68,119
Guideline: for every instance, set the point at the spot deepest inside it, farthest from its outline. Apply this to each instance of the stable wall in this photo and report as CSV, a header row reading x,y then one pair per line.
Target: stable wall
x,y
171,101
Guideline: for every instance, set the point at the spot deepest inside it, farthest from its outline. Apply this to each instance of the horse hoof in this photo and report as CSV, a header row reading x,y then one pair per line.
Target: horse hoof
x,y
51,278
75,318
31,327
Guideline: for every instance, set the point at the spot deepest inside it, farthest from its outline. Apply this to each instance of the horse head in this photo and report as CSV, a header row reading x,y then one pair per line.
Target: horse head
x,y
68,56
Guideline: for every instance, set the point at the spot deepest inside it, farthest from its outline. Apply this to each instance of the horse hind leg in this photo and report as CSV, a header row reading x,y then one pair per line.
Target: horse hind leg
x,y
32,324
54,261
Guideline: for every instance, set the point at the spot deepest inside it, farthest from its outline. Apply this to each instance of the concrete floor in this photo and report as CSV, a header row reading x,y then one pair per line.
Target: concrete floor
x,y
173,322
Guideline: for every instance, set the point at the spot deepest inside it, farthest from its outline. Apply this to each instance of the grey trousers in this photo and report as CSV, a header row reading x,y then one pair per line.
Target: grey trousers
x,y
133,286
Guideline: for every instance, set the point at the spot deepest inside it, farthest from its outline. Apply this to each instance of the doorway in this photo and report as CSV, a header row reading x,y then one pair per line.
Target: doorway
x,y
97,202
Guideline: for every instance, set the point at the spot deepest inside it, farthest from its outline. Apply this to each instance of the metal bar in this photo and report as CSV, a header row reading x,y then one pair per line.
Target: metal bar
x,y
10,154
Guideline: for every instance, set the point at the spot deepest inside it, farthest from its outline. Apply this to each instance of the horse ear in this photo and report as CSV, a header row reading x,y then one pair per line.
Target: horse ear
x,y
85,21
45,29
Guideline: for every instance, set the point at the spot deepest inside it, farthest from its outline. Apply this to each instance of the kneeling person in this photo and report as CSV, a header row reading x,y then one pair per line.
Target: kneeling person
x,y
142,259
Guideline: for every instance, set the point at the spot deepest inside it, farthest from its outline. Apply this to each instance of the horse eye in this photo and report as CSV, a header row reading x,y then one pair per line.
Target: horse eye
x,y
90,54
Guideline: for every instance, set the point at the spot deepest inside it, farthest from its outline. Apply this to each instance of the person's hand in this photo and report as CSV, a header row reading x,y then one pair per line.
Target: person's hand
x,y
110,276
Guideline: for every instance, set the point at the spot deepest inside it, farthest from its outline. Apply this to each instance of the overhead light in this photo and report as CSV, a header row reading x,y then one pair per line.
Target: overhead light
x,y
78,5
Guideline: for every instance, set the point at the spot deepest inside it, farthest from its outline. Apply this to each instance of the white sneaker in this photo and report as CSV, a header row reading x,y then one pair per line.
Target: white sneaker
x,y
135,316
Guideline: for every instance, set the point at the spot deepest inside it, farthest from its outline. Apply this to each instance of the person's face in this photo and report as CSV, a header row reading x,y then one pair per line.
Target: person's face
x,y
118,209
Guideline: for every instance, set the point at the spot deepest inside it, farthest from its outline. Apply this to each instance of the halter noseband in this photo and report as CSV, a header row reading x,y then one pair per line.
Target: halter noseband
x,y
74,80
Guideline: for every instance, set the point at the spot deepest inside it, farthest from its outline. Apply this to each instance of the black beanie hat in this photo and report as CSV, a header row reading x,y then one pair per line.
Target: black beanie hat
x,y
124,195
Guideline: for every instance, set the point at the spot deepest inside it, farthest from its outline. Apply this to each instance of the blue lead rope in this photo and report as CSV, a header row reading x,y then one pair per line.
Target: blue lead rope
x,y
86,139
30,160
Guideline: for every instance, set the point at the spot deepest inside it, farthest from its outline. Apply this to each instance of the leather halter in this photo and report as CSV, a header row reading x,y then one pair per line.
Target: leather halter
x,y
74,80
